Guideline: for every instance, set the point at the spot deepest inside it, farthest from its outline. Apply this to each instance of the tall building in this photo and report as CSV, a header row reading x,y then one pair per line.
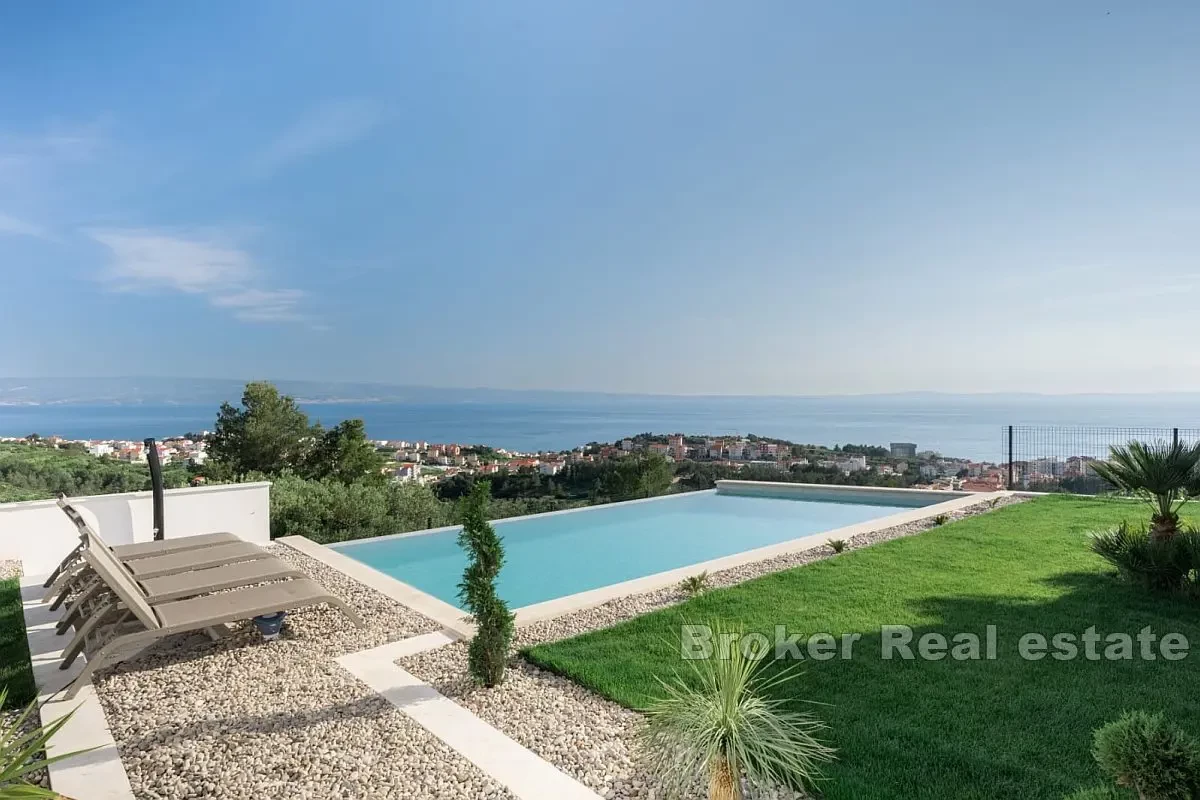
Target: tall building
x,y
904,450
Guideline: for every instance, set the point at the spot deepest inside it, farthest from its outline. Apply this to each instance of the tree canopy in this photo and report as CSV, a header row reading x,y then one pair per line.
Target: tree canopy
x,y
269,434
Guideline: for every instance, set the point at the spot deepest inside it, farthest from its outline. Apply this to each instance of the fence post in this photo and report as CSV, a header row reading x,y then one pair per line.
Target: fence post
x,y
1175,437
1010,458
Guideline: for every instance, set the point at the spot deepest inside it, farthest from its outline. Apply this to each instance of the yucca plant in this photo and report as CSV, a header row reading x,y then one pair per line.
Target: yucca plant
x,y
19,749
1159,473
838,545
722,726
694,585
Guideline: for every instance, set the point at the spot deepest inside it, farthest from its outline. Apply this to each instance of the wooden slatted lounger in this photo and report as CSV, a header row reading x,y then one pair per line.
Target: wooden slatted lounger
x,y
129,623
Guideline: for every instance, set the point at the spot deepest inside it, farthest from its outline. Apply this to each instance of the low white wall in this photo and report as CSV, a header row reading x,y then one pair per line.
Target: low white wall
x,y
38,533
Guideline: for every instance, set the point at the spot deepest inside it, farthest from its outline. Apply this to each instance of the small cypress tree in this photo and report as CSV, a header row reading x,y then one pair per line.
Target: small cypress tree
x,y
493,621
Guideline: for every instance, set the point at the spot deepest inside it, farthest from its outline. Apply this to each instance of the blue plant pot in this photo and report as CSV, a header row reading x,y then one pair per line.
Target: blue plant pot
x,y
269,624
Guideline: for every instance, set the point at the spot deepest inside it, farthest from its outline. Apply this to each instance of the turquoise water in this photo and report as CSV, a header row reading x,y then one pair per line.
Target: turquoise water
x,y
554,555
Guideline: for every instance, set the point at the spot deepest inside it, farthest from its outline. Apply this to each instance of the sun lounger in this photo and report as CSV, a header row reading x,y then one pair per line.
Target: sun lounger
x,y
179,586
127,552
144,564
115,634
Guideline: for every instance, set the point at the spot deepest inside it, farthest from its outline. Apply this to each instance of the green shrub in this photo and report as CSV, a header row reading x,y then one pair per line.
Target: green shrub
x,y
1161,565
1145,753
331,511
488,651
838,545
694,585
941,519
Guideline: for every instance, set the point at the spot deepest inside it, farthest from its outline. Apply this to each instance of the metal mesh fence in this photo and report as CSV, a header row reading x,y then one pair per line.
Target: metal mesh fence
x,y
1057,459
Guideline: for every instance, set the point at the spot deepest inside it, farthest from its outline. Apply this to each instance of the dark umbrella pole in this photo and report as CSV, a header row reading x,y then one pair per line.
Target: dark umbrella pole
x,y
156,486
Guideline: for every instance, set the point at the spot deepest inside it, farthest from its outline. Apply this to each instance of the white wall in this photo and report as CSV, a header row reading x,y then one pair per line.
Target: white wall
x,y
39,534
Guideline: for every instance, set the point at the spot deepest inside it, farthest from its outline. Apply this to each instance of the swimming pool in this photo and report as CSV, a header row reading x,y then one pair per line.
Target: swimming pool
x,y
550,556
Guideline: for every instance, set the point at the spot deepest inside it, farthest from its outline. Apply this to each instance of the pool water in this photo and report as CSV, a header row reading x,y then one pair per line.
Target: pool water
x,y
554,555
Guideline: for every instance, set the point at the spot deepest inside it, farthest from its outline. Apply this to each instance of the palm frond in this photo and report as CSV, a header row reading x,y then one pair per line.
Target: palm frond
x,y
1160,473
19,749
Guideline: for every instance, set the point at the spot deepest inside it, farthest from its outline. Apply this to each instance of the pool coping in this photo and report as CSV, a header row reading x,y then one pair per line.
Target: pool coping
x,y
456,619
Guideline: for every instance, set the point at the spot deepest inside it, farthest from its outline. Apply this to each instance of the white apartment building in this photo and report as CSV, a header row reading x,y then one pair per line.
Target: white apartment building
x,y
848,464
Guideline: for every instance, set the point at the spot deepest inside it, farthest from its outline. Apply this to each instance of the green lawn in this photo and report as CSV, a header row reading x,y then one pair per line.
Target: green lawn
x,y
15,671
940,729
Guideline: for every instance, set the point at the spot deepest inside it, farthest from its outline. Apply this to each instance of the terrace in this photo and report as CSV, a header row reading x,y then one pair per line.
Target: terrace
x,y
389,710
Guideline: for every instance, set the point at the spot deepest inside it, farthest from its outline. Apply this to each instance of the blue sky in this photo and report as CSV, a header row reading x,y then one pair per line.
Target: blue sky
x,y
684,197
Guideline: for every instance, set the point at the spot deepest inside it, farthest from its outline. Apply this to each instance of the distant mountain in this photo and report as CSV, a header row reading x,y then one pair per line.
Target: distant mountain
x,y
210,391
190,391
167,390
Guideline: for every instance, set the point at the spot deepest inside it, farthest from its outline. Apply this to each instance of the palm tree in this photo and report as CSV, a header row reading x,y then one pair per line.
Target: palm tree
x,y
722,726
1159,473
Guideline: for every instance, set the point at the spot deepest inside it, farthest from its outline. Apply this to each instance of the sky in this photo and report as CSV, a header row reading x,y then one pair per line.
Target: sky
x,y
668,197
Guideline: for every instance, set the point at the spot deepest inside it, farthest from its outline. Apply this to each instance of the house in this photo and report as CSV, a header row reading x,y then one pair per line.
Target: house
x,y
408,472
851,463
551,467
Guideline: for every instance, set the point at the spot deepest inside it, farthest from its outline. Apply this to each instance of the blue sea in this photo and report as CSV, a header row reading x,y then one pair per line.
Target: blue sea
x,y
959,425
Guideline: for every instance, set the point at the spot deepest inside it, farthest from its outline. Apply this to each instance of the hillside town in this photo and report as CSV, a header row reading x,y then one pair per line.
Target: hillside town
x,y
426,462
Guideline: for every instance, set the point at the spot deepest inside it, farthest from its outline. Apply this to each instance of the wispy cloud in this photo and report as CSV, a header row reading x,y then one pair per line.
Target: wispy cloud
x,y
12,226
324,128
56,146
262,305
204,263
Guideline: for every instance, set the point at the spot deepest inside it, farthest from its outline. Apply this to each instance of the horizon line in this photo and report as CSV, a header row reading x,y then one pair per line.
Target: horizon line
x,y
597,392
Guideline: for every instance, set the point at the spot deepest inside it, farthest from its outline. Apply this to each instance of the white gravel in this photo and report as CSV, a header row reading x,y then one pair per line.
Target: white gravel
x,y
578,731
9,568
243,718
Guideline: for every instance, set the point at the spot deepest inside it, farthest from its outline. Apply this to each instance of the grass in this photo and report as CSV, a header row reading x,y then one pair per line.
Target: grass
x,y
15,671
939,729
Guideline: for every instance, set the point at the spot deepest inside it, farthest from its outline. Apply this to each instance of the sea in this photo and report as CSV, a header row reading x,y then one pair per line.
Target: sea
x,y
967,426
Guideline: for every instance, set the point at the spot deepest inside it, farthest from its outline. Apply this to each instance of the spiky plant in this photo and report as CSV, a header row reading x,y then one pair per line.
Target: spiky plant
x,y
1159,473
19,749
722,726
694,585
838,545
941,519
1161,565
488,651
